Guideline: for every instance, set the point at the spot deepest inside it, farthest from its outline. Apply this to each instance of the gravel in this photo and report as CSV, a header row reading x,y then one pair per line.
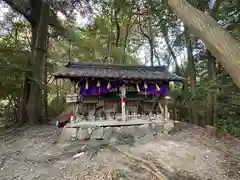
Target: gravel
x,y
33,154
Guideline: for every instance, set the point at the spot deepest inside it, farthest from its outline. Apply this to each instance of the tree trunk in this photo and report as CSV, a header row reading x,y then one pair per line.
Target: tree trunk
x,y
110,34
127,29
170,50
219,42
212,95
34,102
45,94
35,14
118,29
192,75
23,118
150,32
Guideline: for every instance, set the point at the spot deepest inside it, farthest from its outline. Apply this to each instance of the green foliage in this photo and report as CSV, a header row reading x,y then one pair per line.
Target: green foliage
x,y
57,106
92,42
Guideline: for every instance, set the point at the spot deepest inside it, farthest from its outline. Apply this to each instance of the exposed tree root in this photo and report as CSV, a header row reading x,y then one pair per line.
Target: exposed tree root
x,y
147,165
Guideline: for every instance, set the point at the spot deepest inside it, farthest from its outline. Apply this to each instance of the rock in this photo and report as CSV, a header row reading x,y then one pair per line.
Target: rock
x,y
211,131
98,133
83,134
66,134
108,133
159,128
167,126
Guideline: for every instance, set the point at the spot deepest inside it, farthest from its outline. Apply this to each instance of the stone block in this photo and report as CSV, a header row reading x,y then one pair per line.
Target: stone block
x,y
83,133
167,127
97,133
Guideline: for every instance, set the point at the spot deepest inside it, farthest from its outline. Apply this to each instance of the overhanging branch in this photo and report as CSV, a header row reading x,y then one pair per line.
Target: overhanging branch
x,y
19,9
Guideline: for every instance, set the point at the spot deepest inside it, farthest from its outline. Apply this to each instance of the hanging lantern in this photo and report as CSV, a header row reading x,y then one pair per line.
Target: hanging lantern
x,y
98,85
86,85
158,88
109,85
145,87
138,88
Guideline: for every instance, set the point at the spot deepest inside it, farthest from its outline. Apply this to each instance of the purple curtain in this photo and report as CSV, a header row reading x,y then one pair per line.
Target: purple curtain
x,y
94,90
103,88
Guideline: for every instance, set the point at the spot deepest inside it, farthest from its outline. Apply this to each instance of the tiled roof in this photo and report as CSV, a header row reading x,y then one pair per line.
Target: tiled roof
x,y
76,69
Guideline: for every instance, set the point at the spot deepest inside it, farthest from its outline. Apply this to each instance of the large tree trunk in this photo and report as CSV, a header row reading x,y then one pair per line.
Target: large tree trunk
x,y
220,43
23,118
34,103
35,14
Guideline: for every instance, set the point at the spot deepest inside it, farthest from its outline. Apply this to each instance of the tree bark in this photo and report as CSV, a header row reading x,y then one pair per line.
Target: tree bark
x,y
212,95
110,34
150,33
166,39
34,103
23,118
223,46
118,29
45,94
23,9
192,75
127,29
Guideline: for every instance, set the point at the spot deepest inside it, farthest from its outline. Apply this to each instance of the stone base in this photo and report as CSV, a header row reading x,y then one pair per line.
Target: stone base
x,y
97,133
82,134
167,127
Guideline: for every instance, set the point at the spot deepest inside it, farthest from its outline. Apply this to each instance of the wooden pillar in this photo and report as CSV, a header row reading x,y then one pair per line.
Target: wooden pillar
x,y
166,101
73,93
123,101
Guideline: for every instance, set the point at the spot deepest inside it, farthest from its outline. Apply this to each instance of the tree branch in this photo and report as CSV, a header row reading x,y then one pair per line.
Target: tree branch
x,y
215,9
140,26
170,50
19,9
223,46
117,25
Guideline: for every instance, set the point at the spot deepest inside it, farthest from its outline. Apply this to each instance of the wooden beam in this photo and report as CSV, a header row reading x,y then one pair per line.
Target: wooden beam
x,y
111,123
73,91
166,101
123,101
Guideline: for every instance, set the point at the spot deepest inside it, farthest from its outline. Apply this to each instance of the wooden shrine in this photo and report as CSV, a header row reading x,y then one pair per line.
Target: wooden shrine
x,y
107,95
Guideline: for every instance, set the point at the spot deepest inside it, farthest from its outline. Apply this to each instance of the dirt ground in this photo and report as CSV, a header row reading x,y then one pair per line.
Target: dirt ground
x,y
187,154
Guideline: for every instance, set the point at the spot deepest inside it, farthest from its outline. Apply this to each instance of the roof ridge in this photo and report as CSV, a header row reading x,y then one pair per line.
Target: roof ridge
x,y
77,64
76,69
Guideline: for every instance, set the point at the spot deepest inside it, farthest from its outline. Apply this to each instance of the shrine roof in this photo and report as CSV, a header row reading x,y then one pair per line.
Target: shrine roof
x,y
76,70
